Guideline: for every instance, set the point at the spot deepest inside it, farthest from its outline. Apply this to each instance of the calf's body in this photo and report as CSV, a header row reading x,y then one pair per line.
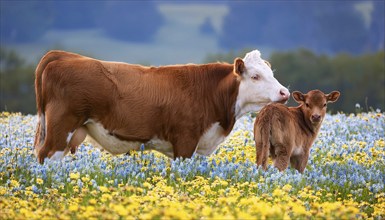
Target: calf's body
x,y
287,133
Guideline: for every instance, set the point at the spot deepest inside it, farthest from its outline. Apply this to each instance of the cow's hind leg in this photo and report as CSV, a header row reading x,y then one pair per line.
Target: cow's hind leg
x,y
60,126
40,134
37,144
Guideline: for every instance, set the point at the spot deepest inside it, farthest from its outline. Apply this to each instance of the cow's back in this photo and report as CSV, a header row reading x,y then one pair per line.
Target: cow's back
x,y
132,99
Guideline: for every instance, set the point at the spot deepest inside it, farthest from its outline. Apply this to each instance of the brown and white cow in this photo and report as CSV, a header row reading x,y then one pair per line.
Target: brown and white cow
x,y
177,110
287,133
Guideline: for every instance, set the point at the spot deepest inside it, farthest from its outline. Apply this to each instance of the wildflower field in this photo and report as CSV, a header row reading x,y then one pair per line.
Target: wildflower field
x,y
344,178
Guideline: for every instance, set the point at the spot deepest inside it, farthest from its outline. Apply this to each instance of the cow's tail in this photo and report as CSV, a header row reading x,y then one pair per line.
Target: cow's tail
x,y
264,131
41,126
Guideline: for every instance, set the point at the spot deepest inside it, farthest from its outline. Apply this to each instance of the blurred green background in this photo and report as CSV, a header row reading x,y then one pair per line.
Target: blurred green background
x,y
327,45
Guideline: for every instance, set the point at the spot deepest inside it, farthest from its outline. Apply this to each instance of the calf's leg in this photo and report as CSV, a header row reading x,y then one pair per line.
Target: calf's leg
x,y
299,162
262,154
282,159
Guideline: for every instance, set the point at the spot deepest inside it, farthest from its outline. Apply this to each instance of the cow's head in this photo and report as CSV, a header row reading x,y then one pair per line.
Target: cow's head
x,y
258,87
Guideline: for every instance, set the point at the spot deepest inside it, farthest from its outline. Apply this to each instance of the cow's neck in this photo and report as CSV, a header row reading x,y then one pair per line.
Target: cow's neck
x,y
241,110
227,97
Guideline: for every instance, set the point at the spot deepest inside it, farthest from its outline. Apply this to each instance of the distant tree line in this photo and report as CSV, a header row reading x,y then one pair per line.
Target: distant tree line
x,y
360,79
17,92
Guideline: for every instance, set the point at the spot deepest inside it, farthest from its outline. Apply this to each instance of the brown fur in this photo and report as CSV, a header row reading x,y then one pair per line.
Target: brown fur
x,y
136,103
287,133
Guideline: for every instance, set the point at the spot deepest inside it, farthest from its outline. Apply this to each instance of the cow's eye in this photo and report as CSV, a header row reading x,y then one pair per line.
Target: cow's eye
x,y
325,105
256,77
307,105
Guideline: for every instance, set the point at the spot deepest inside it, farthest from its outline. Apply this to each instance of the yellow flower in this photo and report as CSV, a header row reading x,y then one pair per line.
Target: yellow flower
x,y
3,190
85,179
106,197
15,183
121,210
147,185
74,176
103,189
73,207
39,181
287,187
92,201
278,193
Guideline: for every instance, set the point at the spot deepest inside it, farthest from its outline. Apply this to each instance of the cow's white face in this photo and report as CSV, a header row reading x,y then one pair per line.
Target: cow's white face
x,y
258,87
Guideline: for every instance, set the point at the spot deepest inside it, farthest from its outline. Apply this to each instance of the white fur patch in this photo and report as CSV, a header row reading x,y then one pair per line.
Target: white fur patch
x,y
109,142
70,134
43,128
297,151
255,94
58,155
102,139
210,140
161,146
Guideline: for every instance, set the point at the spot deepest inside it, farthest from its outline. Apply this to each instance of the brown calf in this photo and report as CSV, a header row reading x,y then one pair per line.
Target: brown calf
x,y
289,132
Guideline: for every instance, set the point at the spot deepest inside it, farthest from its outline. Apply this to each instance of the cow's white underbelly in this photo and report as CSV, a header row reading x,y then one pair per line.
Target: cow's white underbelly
x,y
101,138
210,140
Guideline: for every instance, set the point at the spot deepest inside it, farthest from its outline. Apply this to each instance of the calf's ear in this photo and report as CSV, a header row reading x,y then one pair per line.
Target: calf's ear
x,y
239,66
333,96
298,96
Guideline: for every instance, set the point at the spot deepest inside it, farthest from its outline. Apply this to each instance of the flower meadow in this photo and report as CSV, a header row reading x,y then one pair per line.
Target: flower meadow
x,y
344,178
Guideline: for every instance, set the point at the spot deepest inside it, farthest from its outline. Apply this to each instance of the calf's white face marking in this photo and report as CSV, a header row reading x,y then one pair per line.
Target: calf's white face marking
x,y
258,87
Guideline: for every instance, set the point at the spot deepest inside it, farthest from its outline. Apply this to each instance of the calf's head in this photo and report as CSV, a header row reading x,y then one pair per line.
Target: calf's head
x,y
258,87
313,104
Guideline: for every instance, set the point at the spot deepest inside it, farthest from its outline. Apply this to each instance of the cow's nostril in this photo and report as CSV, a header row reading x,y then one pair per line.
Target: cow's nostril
x,y
283,93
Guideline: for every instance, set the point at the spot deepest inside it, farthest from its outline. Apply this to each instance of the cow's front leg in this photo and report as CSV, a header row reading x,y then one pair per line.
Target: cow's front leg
x,y
184,147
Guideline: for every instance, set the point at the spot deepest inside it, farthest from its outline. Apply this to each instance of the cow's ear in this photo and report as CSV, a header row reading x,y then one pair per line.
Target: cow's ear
x,y
298,97
267,62
333,96
239,66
